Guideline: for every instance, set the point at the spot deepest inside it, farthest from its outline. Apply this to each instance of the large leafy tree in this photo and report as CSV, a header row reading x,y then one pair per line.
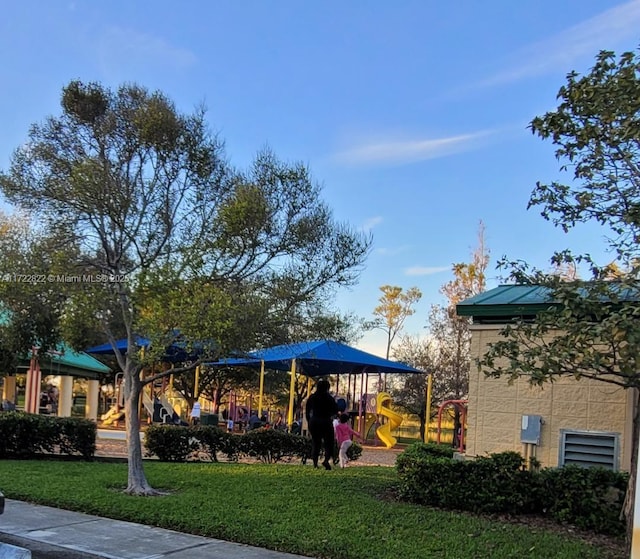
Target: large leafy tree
x,y
147,195
309,321
32,289
591,329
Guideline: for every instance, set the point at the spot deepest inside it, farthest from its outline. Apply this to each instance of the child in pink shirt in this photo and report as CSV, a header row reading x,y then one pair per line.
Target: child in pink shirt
x,y
343,438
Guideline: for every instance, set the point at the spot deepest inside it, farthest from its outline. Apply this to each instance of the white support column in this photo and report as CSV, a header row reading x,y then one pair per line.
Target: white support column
x,y
65,399
91,407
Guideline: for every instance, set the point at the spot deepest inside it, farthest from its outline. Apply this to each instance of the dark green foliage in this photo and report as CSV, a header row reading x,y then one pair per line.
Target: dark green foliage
x,y
85,103
170,444
418,450
270,445
77,436
26,435
213,440
178,444
490,485
354,452
588,498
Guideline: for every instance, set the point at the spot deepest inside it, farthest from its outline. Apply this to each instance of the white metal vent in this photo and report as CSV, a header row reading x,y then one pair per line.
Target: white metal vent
x,y
589,449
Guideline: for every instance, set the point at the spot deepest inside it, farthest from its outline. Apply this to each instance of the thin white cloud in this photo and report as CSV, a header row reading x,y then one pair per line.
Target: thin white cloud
x,y
407,151
425,270
386,251
370,223
561,51
127,46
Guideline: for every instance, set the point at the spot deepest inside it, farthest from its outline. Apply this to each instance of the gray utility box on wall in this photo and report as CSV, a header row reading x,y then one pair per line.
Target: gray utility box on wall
x,y
531,427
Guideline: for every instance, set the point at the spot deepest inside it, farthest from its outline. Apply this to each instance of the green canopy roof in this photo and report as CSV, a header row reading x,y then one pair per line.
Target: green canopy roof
x,y
67,361
507,301
64,361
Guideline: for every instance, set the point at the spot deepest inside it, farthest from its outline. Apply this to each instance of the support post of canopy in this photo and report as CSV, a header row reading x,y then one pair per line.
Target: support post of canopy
x,y
292,393
427,411
261,388
196,383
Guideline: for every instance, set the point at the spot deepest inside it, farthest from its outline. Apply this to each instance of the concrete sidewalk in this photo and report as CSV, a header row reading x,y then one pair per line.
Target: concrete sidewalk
x,y
114,539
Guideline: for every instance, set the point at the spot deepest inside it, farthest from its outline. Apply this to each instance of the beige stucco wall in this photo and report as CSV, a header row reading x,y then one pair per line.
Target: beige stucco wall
x,y
496,408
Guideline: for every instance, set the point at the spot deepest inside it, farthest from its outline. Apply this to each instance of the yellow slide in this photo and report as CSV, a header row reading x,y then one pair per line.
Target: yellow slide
x,y
370,419
113,415
393,420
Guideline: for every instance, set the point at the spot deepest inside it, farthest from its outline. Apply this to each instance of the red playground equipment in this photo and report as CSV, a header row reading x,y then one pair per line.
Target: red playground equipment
x,y
461,407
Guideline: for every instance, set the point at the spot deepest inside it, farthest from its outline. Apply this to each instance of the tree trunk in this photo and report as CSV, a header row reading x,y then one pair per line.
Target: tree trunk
x,y
137,483
216,400
629,500
455,442
423,428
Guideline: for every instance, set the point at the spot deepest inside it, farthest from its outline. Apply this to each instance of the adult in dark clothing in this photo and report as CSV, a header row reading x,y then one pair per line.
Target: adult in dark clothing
x,y
321,407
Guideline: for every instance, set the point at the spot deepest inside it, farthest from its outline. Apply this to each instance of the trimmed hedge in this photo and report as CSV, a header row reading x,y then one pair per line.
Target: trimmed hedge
x,y
589,498
172,443
25,435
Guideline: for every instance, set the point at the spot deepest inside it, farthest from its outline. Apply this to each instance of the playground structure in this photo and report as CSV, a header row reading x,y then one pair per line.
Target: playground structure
x,y
374,412
157,406
459,437
314,359
393,420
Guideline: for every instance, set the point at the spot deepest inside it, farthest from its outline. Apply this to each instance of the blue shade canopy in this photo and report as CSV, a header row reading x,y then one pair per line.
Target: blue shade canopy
x,y
319,358
122,345
175,353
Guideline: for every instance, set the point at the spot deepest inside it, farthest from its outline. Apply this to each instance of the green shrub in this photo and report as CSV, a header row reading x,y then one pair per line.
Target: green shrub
x,y
27,435
177,444
495,484
212,440
418,450
271,445
170,443
77,436
354,452
588,498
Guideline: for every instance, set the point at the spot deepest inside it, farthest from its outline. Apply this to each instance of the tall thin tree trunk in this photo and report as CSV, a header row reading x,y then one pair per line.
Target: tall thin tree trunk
x,y
137,483
629,500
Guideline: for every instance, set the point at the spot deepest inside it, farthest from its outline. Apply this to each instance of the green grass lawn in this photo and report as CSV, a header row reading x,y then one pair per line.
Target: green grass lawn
x,y
347,514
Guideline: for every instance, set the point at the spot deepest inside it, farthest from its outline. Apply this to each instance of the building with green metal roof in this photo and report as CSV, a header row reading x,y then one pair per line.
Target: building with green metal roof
x,y
67,366
568,421
67,361
506,301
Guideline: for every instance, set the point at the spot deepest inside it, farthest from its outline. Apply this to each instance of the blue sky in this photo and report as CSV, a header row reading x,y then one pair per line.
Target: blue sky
x,y
412,114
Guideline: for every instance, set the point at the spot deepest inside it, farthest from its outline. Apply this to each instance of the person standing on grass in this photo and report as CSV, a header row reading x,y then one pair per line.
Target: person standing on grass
x,y
344,432
320,408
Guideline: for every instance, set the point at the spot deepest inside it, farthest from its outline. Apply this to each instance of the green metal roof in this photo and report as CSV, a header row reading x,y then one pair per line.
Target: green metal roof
x,y
69,362
65,360
78,360
507,300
